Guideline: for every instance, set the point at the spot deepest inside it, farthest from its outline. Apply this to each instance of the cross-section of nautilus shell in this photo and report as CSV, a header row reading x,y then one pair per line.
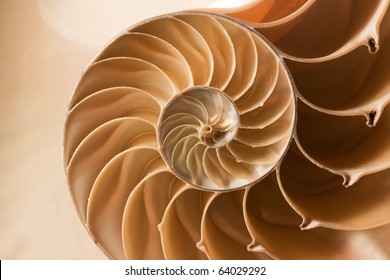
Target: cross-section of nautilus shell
x,y
254,133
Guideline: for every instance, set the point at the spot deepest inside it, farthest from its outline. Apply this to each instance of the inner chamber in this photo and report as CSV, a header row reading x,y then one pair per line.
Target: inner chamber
x,y
200,140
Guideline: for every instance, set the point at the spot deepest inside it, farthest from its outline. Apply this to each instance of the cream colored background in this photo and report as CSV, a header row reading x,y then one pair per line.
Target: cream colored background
x,y
45,45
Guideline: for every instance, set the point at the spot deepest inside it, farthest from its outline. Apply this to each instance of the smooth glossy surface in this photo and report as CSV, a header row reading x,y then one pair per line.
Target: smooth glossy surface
x,y
217,167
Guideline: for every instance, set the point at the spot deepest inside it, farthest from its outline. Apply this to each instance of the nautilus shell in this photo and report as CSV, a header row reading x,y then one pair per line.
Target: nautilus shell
x,y
251,133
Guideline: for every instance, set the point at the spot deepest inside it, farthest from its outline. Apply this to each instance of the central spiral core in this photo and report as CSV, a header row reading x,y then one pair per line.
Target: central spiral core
x,y
194,125
206,110
222,119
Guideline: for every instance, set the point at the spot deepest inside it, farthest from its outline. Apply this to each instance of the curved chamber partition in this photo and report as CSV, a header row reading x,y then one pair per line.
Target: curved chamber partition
x,y
259,127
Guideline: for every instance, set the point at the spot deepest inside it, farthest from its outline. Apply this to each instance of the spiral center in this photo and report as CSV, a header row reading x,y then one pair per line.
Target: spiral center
x,y
206,109
222,120
198,118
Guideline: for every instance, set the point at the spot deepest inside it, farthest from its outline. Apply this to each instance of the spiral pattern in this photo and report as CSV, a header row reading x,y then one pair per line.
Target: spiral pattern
x,y
204,143
187,133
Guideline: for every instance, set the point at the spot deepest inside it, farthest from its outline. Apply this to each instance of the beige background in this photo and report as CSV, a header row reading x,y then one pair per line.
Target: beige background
x,y
45,45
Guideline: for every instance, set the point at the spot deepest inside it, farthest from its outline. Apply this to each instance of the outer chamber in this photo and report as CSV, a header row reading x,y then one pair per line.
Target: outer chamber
x,y
192,136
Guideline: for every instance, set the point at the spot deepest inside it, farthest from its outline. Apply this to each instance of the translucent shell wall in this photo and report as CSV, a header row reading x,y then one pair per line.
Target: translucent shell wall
x,y
196,130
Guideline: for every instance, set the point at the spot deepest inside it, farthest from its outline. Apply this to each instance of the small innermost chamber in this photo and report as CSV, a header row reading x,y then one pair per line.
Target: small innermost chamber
x,y
193,121
222,117
209,110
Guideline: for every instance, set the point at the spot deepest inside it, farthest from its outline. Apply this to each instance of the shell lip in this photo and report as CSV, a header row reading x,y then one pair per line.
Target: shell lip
x,y
266,24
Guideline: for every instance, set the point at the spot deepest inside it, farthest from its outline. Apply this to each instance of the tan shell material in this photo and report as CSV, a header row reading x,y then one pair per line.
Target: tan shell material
x,y
195,130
